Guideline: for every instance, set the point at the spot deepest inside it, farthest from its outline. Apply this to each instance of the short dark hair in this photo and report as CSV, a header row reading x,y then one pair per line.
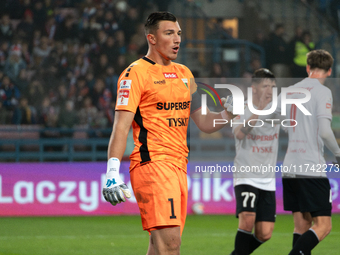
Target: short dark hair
x,y
320,59
152,22
261,74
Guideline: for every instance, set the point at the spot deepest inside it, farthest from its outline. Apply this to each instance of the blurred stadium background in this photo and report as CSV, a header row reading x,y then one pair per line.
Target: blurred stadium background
x,y
59,65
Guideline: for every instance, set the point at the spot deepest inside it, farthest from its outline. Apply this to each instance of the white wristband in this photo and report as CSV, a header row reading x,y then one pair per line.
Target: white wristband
x,y
113,165
225,115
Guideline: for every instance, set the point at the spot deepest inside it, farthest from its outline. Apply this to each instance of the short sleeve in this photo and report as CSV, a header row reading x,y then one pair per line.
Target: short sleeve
x,y
324,104
129,90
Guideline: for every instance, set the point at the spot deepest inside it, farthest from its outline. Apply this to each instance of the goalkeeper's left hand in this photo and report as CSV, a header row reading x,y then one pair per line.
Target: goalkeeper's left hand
x,y
115,189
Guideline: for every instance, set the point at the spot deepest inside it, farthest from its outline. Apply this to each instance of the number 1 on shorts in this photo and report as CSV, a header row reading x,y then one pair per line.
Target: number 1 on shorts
x,y
173,216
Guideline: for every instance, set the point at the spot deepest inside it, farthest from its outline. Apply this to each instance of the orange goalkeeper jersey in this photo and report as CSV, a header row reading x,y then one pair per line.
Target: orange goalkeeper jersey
x,y
160,98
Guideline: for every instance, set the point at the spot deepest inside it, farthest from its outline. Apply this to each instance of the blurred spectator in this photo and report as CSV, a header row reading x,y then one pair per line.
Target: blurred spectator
x,y
26,27
302,47
101,38
89,114
132,54
24,113
39,14
50,66
26,55
121,64
67,30
129,24
41,51
255,64
100,14
49,7
35,93
260,38
291,45
67,119
216,71
138,38
81,66
278,57
4,48
36,39
334,8
162,5
101,66
90,79
111,112
22,81
14,63
62,94
110,25
111,80
6,30
5,117
81,91
9,94
89,30
120,42
50,28
110,50
17,8
49,118
100,95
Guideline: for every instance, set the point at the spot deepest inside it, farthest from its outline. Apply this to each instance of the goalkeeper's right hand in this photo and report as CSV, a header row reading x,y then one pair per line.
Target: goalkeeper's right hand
x,y
114,189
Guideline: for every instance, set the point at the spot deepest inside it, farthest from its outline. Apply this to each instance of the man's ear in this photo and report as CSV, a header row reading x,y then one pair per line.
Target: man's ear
x,y
308,69
329,72
151,39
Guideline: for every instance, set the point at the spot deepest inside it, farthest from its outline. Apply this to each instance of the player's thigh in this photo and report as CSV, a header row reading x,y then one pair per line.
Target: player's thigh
x,y
157,188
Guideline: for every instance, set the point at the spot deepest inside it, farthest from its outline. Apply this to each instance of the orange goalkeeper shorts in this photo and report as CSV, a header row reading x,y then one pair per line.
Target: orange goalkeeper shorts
x,y
161,192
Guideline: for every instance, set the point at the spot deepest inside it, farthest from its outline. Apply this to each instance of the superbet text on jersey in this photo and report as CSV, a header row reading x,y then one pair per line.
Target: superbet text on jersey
x,y
160,98
258,148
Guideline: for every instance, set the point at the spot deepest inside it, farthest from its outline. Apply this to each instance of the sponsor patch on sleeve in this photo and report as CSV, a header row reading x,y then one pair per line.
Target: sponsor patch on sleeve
x,y
125,84
123,97
328,105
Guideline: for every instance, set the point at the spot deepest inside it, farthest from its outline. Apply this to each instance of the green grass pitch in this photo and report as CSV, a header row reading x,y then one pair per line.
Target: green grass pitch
x,y
114,235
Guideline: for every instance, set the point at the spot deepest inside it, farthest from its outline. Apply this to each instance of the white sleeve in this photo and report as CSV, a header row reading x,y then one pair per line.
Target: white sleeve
x,y
327,135
324,104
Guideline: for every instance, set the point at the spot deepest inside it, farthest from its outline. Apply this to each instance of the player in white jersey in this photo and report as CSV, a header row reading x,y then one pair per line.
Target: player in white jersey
x,y
256,149
308,197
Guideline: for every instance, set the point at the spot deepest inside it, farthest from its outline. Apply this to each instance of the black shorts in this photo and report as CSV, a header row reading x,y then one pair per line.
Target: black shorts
x,y
307,195
251,199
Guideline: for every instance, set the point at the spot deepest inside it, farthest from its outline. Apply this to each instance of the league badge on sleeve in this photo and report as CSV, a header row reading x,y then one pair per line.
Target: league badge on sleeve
x,y
123,97
125,84
185,81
